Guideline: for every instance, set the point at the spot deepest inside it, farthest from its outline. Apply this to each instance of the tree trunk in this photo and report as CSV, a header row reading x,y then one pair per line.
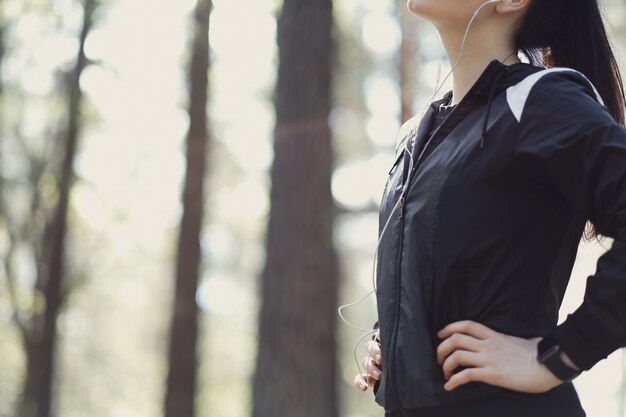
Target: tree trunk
x,y
408,67
181,380
296,369
37,393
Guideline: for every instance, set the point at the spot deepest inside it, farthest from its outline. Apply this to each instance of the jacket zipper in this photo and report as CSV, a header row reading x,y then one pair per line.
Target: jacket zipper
x,y
400,245
394,334
397,312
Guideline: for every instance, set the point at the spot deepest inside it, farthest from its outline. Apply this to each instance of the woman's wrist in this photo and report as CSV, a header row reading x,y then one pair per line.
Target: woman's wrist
x,y
568,361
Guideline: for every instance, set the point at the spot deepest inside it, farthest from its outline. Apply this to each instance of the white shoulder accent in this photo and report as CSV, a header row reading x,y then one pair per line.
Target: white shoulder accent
x,y
517,94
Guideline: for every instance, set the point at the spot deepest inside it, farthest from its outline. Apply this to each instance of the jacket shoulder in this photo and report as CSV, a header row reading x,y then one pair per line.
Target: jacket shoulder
x,y
562,84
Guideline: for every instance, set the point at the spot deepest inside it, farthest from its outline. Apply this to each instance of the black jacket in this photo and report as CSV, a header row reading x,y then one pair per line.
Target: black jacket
x,y
491,223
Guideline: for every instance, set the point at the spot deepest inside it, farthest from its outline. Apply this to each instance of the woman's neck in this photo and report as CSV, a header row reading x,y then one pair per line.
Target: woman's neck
x,y
482,45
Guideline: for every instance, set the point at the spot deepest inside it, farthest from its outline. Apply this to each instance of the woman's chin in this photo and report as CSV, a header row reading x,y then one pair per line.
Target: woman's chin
x,y
423,8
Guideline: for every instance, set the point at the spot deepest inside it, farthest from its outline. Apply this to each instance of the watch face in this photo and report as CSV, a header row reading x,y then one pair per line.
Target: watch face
x,y
552,350
548,353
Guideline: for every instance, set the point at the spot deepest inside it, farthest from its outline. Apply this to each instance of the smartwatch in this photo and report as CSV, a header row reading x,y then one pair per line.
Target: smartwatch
x,y
549,354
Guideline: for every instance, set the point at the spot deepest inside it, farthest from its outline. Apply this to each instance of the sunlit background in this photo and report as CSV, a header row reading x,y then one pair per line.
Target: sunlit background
x,y
125,206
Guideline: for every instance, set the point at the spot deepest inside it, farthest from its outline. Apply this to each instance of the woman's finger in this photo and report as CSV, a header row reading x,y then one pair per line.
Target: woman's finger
x,y
360,382
373,349
370,367
461,357
374,370
454,342
467,375
473,328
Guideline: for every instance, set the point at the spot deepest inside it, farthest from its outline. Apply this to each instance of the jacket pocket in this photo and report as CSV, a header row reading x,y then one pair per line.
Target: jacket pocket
x,y
457,298
457,295
451,299
470,296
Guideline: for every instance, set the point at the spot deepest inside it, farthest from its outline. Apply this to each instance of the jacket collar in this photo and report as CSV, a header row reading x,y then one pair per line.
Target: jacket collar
x,y
481,87
494,78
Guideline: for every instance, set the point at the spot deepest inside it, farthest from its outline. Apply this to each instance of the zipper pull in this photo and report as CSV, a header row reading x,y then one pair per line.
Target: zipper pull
x,y
401,205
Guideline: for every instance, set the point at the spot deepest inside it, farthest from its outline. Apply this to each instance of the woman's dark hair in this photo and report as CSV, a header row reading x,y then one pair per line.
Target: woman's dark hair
x,y
571,33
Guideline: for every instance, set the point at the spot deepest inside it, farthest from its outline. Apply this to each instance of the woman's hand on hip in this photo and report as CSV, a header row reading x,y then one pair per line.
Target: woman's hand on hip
x,y
495,358
372,364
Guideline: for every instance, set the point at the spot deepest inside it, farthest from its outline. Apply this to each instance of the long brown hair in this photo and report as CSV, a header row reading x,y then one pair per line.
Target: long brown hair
x,y
571,33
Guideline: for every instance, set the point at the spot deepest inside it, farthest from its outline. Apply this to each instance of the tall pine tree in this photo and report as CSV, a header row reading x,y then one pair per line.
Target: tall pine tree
x,y
296,368
182,376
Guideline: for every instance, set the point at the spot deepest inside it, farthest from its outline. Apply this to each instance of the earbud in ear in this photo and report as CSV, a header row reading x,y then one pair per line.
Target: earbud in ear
x,y
499,1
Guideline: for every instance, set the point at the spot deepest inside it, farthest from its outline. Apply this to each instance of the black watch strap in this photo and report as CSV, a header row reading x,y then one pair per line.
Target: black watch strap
x,y
549,354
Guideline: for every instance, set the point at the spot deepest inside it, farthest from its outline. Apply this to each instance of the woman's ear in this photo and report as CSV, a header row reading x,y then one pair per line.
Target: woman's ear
x,y
512,6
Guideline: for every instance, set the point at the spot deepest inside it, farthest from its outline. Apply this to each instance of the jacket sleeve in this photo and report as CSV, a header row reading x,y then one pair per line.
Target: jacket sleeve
x,y
570,144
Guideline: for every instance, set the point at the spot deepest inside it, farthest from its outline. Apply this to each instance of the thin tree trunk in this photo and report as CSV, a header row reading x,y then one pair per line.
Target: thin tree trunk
x,y
181,380
408,55
296,368
37,395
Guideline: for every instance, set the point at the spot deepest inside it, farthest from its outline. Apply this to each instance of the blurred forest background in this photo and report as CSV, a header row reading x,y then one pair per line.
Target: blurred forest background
x,y
188,191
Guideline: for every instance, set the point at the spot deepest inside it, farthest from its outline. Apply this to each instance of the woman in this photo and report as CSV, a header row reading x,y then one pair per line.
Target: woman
x,y
483,211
